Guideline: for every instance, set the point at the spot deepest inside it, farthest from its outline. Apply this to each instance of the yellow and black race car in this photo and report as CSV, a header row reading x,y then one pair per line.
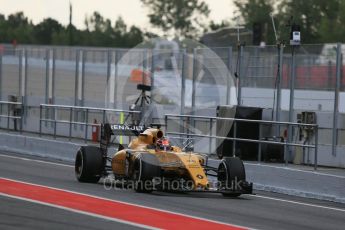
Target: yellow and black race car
x,y
150,163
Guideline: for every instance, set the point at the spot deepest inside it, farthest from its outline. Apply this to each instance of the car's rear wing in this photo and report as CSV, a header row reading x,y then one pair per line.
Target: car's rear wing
x,y
107,130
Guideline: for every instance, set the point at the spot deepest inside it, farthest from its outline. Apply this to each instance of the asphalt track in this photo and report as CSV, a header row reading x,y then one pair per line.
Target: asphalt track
x,y
260,211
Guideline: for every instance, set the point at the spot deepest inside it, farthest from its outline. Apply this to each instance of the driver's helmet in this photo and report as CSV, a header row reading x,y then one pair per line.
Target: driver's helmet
x,y
163,144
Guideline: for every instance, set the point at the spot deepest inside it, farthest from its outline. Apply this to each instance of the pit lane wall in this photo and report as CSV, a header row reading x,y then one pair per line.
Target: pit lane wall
x,y
292,180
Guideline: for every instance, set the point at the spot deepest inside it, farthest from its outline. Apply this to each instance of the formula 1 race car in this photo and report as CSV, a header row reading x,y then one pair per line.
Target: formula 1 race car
x,y
150,163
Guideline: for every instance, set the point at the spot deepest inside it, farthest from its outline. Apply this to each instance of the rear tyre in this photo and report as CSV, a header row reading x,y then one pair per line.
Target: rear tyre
x,y
89,164
230,174
146,168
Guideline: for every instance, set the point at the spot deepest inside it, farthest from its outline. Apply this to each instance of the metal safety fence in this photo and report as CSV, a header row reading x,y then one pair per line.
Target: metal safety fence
x,y
11,111
190,120
66,117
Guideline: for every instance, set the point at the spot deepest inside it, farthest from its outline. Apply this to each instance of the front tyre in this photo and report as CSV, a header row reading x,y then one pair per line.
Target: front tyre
x,y
89,164
231,174
146,168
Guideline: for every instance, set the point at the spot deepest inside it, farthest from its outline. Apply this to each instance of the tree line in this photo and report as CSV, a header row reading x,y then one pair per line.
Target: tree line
x,y
99,32
321,22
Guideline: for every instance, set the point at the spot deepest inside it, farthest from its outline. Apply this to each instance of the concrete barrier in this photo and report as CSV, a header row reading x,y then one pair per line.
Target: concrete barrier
x,y
327,184
60,150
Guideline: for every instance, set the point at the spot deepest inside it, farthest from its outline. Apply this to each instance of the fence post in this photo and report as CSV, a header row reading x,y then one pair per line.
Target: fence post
x,y
76,82
195,63
183,83
210,139
50,87
21,117
47,77
183,91
25,94
166,123
70,122
239,76
234,140
40,125
22,81
280,75
8,115
285,153
20,76
76,79
53,75
103,116
53,79
292,96
144,66
152,76
54,114
82,93
108,83
143,78
330,74
316,146
228,85
194,79
259,150
336,99
188,125
116,76
86,124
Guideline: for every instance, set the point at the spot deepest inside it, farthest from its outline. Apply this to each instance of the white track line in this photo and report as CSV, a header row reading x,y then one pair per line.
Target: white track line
x,y
78,211
289,169
296,170
299,203
34,160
